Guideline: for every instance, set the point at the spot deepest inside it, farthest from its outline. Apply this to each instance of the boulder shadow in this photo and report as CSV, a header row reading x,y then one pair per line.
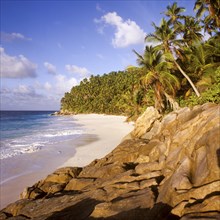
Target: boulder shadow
x,y
79,211
83,210
159,212
218,156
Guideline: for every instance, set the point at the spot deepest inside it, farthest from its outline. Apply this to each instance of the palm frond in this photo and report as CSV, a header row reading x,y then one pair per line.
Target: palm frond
x,y
148,79
152,38
138,55
140,59
197,5
168,56
170,82
204,81
210,68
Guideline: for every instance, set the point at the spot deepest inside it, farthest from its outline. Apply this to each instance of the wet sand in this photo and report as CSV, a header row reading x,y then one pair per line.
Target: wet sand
x,y
101,135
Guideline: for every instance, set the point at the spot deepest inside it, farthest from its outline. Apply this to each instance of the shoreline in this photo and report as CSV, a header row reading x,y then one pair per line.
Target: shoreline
x,y
109,137
102,134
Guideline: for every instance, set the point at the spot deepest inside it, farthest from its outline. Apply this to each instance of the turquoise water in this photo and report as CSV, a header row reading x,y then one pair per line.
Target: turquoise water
x,y
29,131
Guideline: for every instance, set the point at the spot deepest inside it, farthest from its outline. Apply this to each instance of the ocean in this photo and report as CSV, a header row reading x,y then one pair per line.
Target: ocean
x,y
23,132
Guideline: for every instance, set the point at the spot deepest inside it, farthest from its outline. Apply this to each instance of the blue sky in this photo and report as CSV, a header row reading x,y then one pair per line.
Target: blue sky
x,y
47,47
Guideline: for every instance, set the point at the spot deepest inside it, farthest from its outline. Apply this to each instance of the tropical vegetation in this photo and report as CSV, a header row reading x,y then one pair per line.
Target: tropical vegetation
x,y
113,93
180,66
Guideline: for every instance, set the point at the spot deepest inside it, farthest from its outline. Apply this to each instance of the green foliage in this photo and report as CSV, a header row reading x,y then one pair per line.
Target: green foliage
x,y
212,94
113,93
157,74
181,62
211,21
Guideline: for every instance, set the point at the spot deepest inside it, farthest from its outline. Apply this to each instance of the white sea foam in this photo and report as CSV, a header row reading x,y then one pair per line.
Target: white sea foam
x,y
63,133
20,149
40,133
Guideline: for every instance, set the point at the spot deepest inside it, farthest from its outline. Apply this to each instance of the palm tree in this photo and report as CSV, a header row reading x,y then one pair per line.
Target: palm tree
x,y
158,75
202,61
162,34
212,20
191,30
166,36
174,14
212,46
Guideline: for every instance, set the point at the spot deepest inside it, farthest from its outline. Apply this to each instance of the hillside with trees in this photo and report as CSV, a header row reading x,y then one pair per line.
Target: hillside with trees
x,y
179,67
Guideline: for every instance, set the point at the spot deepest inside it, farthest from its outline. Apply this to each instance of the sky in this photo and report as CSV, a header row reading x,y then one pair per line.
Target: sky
x,y
48,46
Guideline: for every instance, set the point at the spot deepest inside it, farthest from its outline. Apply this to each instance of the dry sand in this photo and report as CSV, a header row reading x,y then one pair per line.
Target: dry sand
x,y
109,129
102,134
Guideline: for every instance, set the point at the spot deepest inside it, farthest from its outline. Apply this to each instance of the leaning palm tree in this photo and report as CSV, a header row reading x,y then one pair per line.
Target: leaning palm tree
x,y
203,60
158,75
166,37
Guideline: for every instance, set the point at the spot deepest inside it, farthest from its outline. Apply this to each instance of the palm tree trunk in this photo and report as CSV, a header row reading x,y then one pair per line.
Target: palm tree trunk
x,y
171,100
158,98
186,76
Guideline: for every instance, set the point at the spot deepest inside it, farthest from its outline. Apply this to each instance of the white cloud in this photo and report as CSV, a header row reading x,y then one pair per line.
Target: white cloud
x,y
16,66
8,37
127,32
4,91
59,85
26,97
50,68
24,90
47,86
39,96
98,8
77,70
43,86
64,84
21,91
100,28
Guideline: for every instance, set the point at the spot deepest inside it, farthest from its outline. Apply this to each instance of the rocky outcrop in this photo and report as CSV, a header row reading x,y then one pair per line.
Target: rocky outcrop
x,y
63,112
167,168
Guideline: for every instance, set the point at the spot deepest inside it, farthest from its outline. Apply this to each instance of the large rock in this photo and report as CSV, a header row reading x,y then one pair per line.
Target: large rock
x,y
145,122
53,183
132,205
78,184
169,170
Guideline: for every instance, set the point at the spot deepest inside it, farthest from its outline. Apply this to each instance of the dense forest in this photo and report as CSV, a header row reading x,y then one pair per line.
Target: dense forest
x,y
179,67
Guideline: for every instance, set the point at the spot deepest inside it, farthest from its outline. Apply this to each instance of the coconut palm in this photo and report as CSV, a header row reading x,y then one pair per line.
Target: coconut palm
x,y
201,7
158,75
212,46
166,36
174,14
202,61
163,34
191,30
212,20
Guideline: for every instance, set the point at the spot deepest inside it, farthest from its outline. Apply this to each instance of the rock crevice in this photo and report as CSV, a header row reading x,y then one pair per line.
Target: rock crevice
x,y
167,168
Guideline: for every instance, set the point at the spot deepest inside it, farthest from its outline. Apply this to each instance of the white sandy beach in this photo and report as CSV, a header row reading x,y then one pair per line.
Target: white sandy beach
x,y
102,134
109,129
